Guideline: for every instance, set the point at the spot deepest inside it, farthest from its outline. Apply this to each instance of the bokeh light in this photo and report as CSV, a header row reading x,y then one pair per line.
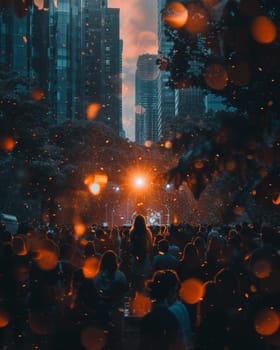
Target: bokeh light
x,y
267,322
38,95
197,20
139,182
276,200
140,305
90,267
263,30
7,143
92,110
94,188
4,318
192,291
175,15
216,76
93,338
47,255
79,229
262,268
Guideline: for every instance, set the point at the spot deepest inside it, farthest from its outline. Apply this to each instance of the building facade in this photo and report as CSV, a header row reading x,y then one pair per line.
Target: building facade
x,y
147,82
74,53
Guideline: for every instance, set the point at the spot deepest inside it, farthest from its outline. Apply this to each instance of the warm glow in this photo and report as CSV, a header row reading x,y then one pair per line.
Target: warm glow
x,y
238,210
216,76
168,144
192,291
96,182
175,15
140,305
94,188
7,143
262,269
267,322
197,20
47,259
211,2
90,267
198,164
93,338
148,143
4,319
101,179
263,30
39,4
139,182
79,229
276,201
93,110
38,95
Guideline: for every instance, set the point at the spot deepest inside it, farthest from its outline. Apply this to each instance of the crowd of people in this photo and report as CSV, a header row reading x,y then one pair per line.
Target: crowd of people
x,y
188,287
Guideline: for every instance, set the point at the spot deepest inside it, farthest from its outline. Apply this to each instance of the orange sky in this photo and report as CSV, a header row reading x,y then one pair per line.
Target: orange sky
x,y
139,34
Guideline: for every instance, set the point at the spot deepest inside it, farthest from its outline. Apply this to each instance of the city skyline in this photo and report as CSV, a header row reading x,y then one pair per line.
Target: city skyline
x,y
138,30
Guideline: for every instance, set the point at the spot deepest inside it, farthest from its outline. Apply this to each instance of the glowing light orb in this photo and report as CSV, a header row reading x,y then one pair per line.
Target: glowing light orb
x,y
276,200
175,15
262,268
263,30
192,291
267,322
93,110
139,182
140,305
4,319
38,95
7,143
79,229
91,267
197,20
94,188
216,77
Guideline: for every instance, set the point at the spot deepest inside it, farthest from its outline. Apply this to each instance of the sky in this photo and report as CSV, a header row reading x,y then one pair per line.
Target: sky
x,y
138,20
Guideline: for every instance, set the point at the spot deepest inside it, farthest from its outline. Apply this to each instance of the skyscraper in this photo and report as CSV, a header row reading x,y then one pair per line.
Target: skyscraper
x,y
181,102
168,97
74,51
148,123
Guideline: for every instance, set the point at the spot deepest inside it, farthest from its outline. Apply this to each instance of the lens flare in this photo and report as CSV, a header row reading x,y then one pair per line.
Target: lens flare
x,y
263,30
267,322
175,15
192,291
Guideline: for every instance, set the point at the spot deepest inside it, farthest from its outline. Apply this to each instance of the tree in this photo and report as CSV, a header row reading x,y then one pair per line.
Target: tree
x,y
230,48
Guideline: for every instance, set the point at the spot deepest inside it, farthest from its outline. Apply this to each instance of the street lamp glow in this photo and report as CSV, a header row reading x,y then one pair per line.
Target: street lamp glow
x,y
139,182
94,188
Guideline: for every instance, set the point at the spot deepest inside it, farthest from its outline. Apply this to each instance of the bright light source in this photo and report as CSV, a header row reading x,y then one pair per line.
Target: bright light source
x,y
139,182
94,188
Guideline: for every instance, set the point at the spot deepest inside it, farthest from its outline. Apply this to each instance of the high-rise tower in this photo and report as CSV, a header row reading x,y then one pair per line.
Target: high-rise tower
x,y
74,51
147,126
